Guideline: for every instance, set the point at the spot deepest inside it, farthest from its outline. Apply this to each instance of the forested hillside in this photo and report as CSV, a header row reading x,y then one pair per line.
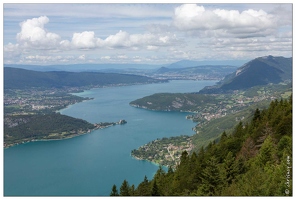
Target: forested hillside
x,y
254,160
22,128
15,78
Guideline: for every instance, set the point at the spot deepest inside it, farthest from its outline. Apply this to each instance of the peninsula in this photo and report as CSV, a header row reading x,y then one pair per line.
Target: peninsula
x,y
55,126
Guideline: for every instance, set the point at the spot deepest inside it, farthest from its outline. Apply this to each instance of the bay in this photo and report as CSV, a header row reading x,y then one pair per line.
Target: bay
x,y
90,164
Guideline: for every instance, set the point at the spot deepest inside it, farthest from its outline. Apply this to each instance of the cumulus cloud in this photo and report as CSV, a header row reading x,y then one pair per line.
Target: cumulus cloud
x,y
34,35
248,23
84,40
122,39
188,31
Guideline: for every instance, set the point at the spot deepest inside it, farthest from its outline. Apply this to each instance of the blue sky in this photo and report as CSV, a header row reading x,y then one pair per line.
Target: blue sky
x,y
54,33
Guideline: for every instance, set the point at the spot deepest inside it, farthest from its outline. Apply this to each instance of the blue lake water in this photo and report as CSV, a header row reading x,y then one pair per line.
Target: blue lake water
x,y
90,164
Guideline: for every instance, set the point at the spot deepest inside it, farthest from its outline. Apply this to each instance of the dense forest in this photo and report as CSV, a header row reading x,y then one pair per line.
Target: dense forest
x,y
254,160
22,128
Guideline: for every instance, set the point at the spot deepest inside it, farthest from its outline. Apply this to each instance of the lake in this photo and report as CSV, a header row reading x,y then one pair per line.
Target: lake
x,y
90,164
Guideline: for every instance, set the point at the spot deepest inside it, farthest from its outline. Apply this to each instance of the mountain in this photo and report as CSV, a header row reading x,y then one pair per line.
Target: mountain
x,y
260,71
15,78
82,67
201,71
192,63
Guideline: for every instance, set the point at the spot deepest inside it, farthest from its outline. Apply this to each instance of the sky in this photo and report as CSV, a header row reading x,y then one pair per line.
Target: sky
x,y
154,33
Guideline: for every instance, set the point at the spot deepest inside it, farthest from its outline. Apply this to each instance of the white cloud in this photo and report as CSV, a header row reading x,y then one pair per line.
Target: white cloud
x,y
248,23
84,40
152,48
120,39
122,57
157,33
105,58
81,57
34,35
54,59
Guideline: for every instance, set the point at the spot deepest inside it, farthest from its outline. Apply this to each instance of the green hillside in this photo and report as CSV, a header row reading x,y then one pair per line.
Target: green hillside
x,y
22,128
255,159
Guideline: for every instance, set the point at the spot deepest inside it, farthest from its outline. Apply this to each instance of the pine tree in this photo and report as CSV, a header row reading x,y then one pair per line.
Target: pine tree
x,y
124,188
230,168
132,190
223,136
143,188
155,190
266,152
257,115
211,178
170,170
114,191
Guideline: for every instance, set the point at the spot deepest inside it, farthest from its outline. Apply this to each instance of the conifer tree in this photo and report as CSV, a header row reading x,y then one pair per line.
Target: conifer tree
x,y
170,170
230,168
114,191
124,188
155,189
257,115
223,136
211,178
132,190
266,152
143,188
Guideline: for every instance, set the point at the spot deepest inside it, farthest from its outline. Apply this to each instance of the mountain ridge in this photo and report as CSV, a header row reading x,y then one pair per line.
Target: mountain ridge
x,y
259,71
15,78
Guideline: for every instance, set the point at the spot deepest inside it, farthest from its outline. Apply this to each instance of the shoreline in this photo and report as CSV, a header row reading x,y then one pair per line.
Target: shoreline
x,y
146,108
48,140
66,137
154,163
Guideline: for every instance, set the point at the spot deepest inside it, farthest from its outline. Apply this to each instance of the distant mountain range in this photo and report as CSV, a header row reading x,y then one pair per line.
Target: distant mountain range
x,y
84,67
192,63
197,72
15,78
260,71
107,67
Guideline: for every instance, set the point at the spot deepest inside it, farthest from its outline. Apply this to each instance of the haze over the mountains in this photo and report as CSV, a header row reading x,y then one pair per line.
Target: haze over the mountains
x,y
119,67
